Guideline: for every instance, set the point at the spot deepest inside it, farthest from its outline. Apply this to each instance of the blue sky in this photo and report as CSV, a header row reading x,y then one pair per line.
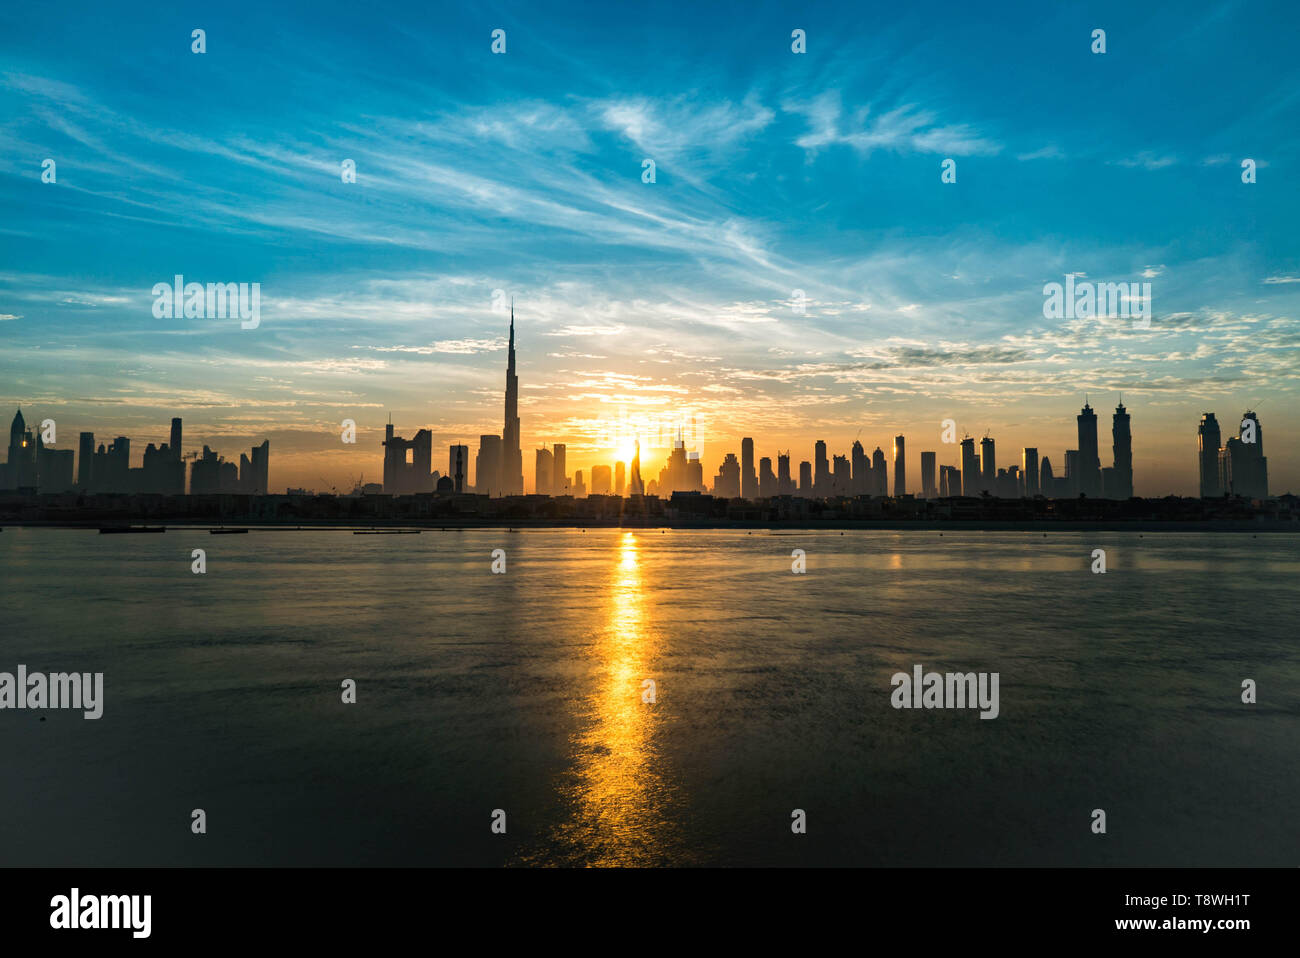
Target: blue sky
x,y
641,306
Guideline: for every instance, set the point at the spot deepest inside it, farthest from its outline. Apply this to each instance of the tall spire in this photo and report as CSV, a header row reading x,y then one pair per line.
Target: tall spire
x,y
512,473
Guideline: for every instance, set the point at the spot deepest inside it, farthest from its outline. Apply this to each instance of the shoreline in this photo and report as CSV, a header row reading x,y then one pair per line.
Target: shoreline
x,y
830,525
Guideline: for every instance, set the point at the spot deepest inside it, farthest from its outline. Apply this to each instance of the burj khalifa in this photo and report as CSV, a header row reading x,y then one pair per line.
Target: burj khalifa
x,y
512,462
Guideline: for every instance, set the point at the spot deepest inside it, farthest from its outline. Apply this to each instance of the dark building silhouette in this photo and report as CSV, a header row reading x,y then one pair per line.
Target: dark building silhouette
x,y
988,467
54,468
407,463
512,463
949,481
620,477
1072,473
1208,443
841,476
727,484
970,470
821,470
766,478
635,485
900,466
748,477
1243,470
1088,478
927,475
85,459
1117,483
1029,470
784,484
20,467
805,479
879,473
863,480
487,467
543,472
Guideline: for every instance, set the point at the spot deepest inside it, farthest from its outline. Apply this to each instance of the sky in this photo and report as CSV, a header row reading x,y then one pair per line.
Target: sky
x,y
797,270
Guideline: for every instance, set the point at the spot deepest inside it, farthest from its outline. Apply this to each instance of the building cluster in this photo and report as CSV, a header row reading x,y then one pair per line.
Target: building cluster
x,y
34,467
1237,467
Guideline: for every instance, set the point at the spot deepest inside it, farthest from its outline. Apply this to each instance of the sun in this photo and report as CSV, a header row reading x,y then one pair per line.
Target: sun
x,y
626,451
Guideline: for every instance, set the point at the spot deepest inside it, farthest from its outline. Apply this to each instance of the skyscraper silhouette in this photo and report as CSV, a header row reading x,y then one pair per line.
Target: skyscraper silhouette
x,y
970,470
512,462
927,475
1029,471
900,466
1089,478
748,478
1121,476
635,487
1208,442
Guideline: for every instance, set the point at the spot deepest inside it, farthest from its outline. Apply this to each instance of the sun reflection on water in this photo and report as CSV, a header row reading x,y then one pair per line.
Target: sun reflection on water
x,y
616,791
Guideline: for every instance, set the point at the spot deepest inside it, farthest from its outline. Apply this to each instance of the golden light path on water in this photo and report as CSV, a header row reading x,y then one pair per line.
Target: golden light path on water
x,y
616,792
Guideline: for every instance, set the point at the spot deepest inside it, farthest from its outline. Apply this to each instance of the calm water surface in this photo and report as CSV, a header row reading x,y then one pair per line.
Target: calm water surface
x,y
523,692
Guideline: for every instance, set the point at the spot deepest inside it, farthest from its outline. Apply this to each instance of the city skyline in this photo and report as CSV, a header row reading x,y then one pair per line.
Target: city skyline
x,y
797,264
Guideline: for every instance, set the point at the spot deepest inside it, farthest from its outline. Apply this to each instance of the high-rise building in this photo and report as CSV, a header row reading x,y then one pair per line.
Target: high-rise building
x,y
748,477
841,476
1121,477
784,484
601,481
1243,467
766,478
805,479
970,470
880,473
949,481
1088,478
579,490
988,466
1029,470
487,466
259,479
620,477
512,463
1046,481
21,472
544,472
635,485
927,475
174,445
1208,444
1072,473
821,470
727,485
560,470
407,463
900,466
85,457
53,467
862,478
